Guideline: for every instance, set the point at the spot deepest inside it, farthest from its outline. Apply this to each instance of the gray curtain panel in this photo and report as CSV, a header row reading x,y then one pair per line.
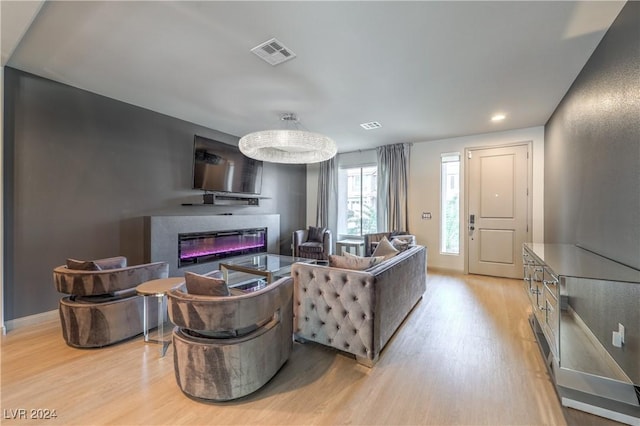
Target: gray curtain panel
x,y
327,207
393,179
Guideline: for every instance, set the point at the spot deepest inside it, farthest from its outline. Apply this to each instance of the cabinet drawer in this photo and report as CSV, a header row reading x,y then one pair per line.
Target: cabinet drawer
x,y
550,282
551,319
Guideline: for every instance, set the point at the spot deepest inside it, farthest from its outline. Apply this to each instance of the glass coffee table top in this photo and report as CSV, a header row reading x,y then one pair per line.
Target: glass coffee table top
x,y
253,272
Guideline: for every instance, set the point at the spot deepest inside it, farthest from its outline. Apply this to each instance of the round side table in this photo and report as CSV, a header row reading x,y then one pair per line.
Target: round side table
x,y
157,288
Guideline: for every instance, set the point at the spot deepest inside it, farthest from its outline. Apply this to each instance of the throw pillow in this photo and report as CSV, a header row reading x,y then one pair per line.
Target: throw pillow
x,y
316,234
83,265
373,261
399,244
386,249
351,261
112,262
205,285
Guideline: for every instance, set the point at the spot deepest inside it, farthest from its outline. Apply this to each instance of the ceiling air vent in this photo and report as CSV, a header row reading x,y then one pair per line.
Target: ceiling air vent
x,y
273,52
371,125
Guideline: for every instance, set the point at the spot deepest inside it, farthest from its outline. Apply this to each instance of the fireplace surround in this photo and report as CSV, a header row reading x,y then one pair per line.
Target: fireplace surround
x,y
162,230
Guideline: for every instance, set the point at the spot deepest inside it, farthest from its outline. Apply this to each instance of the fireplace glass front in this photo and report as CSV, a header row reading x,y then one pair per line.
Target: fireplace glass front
x,y
202,247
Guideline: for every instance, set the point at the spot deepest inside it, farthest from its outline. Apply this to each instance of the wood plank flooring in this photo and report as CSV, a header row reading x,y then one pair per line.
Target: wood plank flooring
x,y
465,356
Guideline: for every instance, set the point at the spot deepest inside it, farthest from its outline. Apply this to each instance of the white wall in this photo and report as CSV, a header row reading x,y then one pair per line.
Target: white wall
x,y
424,188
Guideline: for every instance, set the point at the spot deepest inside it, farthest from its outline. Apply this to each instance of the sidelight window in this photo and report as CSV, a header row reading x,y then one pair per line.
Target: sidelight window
x,y
450,204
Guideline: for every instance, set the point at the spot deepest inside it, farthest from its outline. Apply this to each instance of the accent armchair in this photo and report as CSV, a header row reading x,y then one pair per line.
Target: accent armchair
x,y
102,307
226,347
312,243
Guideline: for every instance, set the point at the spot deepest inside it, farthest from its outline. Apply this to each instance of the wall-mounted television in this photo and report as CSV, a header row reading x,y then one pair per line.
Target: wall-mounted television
x,y
220,167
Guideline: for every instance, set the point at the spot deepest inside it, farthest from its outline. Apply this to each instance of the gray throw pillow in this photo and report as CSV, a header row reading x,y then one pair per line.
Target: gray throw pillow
x,y
316,234
399,244
205,285
83,265
97,265
112,262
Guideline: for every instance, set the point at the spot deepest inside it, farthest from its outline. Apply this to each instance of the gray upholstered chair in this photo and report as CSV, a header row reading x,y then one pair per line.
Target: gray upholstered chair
x,y
372,240
226,347
102,307
311,248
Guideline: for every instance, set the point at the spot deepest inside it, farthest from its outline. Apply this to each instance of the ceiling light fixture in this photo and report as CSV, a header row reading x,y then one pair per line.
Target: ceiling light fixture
x,y
498,117
291,146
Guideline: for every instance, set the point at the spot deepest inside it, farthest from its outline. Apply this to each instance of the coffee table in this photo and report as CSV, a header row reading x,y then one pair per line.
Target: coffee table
x,y
269,267
158,289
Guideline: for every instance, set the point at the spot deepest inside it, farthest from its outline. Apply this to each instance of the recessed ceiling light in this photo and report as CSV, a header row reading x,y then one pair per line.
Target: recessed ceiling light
x,y
498,117
371,125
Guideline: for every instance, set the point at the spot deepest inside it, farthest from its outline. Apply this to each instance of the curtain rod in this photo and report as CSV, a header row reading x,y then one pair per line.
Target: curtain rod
x,y
373,149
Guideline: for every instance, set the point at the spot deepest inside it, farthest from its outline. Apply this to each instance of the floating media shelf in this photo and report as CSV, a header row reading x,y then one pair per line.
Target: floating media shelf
x,y
228,199
231,199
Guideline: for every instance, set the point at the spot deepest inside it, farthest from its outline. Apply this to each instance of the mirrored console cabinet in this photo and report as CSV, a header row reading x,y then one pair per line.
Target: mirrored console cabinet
x,y
585,313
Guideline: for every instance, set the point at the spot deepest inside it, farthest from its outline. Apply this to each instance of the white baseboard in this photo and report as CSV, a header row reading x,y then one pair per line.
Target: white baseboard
x,y
601,411
30,320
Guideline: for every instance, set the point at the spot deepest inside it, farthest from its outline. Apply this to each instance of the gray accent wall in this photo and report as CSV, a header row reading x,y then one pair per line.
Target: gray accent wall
x,y
592,150
80,173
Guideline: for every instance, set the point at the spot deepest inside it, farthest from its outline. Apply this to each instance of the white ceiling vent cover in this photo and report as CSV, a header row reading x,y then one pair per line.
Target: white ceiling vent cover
x,y
273,52
371,125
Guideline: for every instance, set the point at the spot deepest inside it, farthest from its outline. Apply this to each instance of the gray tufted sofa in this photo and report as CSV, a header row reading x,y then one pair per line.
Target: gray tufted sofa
x,y
357,311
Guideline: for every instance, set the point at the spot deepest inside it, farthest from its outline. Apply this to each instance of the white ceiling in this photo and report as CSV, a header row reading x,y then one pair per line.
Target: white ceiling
x,y
425,70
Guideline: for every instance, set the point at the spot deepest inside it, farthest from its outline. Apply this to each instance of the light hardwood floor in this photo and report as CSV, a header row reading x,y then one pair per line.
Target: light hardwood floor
x,y
465,356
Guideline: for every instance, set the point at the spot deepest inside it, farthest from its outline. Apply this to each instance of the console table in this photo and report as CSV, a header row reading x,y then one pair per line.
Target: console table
x,y
586,318
348,245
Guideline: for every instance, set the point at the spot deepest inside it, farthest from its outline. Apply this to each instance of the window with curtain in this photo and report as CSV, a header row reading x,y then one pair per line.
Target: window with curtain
x,y
357,200
450,204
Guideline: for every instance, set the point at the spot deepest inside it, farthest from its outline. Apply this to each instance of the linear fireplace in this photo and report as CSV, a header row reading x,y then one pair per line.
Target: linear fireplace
x,y
201,247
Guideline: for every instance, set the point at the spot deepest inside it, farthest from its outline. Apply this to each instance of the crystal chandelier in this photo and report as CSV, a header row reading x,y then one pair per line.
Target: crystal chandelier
x,y
292,146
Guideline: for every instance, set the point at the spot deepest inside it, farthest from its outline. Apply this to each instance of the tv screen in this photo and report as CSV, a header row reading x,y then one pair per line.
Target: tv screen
x,y
219,167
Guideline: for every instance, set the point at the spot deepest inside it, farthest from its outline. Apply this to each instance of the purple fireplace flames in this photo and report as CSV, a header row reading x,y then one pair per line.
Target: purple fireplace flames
x,y
202,247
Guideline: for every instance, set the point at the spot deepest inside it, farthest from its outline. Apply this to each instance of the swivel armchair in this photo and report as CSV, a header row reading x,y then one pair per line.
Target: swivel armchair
x,y
226,347
102,307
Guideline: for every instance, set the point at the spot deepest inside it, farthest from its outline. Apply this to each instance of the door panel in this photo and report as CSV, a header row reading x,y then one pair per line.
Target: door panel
x,y
496,189
499,203
497,245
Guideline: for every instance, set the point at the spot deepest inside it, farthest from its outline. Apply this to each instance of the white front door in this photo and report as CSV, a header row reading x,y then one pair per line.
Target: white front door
x,y
498,209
